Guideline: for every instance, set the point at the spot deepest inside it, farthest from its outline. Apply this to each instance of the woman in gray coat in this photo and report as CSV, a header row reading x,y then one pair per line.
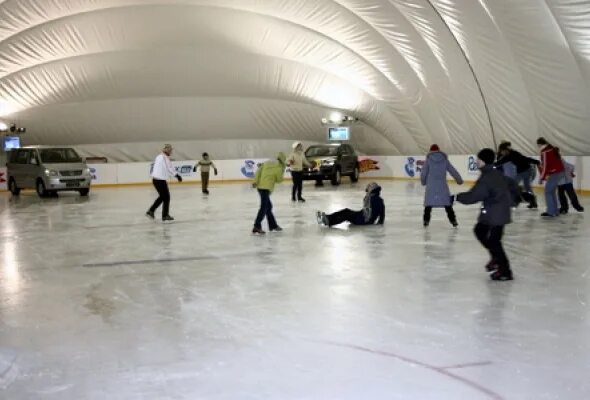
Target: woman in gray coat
x,y
434,177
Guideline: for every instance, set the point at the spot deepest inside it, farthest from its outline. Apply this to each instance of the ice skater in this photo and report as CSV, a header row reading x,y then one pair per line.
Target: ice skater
x,y
493,191
205,164
267,175
523,171
566,189
434,177
552,172
373,210
296,162
162,170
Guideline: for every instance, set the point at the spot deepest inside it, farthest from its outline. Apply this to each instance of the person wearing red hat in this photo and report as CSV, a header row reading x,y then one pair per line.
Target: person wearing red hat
x,y
434,177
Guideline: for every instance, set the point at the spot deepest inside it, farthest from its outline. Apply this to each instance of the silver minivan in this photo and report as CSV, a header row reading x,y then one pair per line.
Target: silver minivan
x,y
47,170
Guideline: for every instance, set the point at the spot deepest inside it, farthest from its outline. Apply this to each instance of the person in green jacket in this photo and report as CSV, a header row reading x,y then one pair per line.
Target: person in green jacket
x,y
267,175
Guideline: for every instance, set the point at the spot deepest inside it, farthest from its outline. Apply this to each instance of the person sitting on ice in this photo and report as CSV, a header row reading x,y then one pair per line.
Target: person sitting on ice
x,y
373,211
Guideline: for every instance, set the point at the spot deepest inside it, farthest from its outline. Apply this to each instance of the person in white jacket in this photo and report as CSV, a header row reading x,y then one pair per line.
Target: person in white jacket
x,y
161,172
296,162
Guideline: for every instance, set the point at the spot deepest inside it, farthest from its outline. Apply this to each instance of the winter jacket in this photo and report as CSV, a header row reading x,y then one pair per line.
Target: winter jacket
x,y
297,161
550,162
206,164
569,173
373,207
492,189
434,177
270,173
522,163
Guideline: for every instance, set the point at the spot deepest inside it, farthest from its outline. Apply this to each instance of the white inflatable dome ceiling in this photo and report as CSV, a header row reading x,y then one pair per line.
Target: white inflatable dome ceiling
x,y
246,77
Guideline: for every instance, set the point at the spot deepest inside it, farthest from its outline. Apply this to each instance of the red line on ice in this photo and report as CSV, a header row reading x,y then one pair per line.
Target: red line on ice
x,y
441,370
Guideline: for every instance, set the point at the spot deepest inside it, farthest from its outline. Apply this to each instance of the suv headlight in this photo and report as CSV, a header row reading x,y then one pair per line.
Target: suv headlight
x,y
86,171
51,172
327,162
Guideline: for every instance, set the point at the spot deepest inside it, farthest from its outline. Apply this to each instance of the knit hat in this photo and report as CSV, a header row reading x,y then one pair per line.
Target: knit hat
x,y
167,147
434,147
282,157
296,144
487,156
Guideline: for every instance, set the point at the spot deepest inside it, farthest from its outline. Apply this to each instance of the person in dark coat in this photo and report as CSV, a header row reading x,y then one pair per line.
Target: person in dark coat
x,y
434,177
524,173
373,210
493,191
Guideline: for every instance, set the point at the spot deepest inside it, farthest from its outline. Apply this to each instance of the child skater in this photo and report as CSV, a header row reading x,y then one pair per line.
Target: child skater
x,y
567,187
373,210
434,177
492,189
205,164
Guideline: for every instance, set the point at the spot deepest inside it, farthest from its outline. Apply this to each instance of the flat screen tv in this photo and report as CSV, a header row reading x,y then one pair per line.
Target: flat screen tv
x,y
10,142
340,133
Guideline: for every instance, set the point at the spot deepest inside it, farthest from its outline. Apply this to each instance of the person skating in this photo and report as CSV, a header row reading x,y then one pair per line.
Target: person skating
x,y
493,191
566,189
162,170
205,165
434,177
523,173
373,210
296,162
552,172
267,175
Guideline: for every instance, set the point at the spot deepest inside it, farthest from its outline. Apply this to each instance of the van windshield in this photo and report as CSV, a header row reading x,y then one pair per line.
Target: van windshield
x,y
58,156
324,151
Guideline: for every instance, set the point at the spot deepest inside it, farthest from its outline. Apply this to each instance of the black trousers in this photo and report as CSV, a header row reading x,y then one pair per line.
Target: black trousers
x,y
568,189
204,181
450,214
491,238
297,184
265,211
345,215
163,197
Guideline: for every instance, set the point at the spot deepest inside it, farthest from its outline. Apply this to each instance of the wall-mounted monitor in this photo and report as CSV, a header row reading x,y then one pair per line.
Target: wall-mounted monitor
x,y
10,142
340,133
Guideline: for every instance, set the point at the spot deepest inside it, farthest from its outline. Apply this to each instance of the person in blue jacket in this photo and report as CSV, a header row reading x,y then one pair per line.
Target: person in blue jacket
x,y
373,210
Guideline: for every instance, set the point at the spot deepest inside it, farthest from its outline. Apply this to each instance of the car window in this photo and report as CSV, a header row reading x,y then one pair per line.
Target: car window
x,y
57,156
322,151
33,158
22,157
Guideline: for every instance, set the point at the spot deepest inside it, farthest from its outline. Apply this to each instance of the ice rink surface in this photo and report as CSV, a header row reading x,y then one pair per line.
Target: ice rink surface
x,y
98,302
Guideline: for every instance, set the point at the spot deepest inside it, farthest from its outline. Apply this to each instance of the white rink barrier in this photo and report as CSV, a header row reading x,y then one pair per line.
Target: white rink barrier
x,y
400,167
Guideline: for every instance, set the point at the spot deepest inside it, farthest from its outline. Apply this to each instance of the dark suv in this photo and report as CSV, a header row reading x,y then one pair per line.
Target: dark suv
x,y
332,161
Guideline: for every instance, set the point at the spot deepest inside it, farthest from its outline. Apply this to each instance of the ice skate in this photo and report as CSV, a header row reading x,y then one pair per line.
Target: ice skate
x,y
501,276
258,231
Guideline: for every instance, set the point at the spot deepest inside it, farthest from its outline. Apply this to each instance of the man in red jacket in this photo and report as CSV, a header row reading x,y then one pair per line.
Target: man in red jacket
x,y
552,172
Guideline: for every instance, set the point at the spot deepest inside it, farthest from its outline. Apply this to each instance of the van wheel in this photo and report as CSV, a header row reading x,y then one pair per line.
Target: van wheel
x,y
13,188
84,192
336,177
355,175
41,191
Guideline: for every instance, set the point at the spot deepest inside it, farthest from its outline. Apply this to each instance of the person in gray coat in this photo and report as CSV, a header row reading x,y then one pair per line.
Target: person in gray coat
x,y
493,190
434,177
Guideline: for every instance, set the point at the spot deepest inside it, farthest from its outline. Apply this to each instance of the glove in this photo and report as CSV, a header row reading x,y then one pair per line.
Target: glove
x,y
215,171
179,178
194,169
